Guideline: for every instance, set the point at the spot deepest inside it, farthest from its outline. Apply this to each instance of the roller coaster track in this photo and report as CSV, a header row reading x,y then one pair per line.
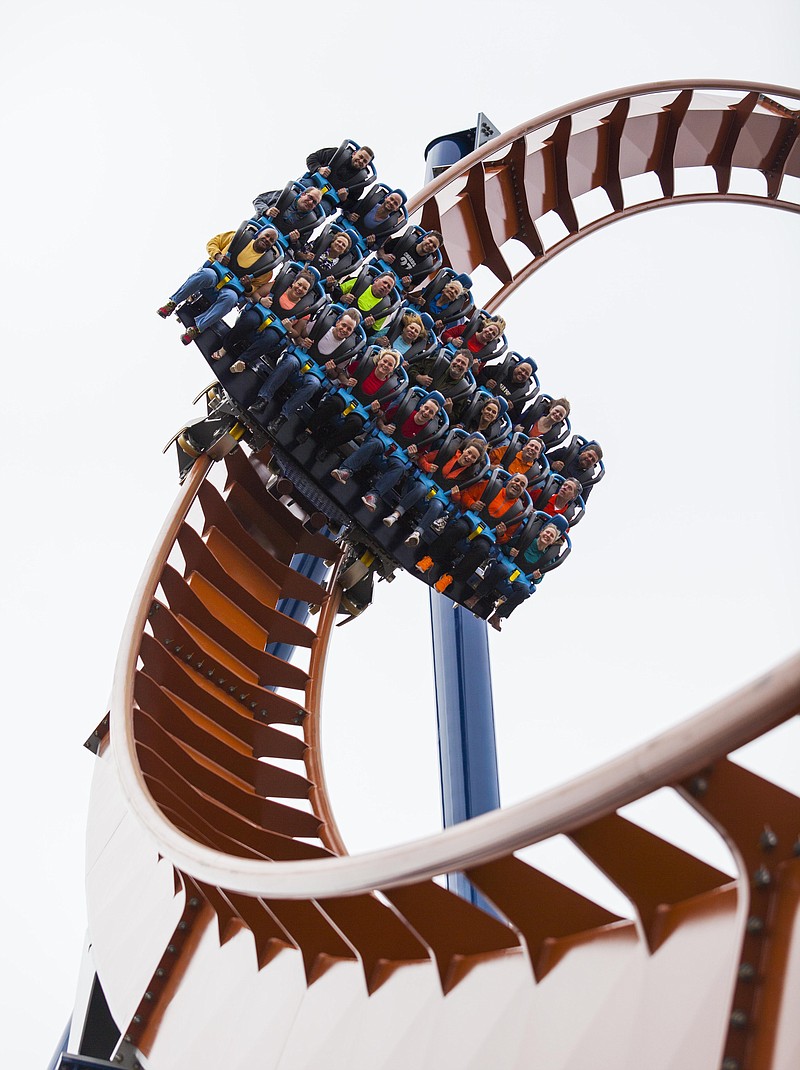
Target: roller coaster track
x,y
251,936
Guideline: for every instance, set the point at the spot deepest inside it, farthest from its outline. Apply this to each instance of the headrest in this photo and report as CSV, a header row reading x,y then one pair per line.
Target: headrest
x,y
560,522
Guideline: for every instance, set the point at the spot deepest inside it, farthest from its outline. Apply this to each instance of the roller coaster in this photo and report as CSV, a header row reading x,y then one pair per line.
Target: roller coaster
x,y
228,924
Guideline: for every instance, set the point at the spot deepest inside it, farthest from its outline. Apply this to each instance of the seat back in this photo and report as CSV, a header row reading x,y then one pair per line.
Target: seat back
x,y
576,445
518,396
347,349
538,470
422,348
341,158
349,261
394,386
554,555
455,440
370,200
435,429
388,304
517,511
268,261
538,408
493,349
456,310
309,303
469,416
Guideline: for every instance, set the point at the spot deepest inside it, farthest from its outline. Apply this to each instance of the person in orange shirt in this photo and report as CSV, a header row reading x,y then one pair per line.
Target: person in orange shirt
x,y
515,458
465,463
503,514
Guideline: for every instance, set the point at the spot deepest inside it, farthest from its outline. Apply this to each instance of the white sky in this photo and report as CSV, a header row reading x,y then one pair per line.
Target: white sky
x,y
132,135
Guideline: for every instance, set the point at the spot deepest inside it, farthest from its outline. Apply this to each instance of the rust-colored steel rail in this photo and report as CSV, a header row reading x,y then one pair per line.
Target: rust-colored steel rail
x,y
503,191
196,715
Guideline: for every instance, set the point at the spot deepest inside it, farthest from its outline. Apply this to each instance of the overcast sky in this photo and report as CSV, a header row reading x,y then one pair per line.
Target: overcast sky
x,y
132,135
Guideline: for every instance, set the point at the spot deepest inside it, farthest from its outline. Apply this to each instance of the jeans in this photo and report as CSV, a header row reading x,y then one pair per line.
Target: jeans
x,y
370,452
204,282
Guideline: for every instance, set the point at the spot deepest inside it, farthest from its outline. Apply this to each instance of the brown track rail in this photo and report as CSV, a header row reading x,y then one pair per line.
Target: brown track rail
x,y
200,713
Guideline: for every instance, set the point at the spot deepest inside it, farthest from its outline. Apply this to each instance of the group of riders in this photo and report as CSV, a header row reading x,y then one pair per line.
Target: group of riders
x,y
353,336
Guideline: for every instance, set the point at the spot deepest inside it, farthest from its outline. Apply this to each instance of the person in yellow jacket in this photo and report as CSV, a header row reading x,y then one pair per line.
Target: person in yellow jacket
x,y
246,263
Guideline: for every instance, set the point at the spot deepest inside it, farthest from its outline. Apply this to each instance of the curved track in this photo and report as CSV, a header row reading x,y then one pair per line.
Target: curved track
x,y
252,842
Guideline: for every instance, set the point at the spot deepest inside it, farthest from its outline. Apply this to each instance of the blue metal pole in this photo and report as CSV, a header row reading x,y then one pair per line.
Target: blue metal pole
x,y
465,716
315,569
462,669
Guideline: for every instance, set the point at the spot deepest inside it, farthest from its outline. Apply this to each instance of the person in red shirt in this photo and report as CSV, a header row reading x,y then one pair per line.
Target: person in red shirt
x,y
480,344
560,502
325,424
373,449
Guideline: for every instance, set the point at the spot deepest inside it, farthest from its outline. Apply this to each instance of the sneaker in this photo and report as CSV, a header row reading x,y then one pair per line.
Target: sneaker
x,y
322,454
371,502
341,475
190,335
391,519
424,564
443,583
166,310
275,425
237,366
439,525
413,538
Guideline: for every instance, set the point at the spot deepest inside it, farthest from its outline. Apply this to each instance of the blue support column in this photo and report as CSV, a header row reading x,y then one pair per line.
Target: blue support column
x,y
465,717
461,665
315,569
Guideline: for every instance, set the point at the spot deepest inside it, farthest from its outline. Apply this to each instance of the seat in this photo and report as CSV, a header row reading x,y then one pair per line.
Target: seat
x,y
350,261
497,432
538,408
458,309
518,396
405,243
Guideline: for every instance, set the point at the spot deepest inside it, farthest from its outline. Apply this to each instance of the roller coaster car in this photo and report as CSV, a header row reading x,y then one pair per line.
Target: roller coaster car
x,y
457,309
229,422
